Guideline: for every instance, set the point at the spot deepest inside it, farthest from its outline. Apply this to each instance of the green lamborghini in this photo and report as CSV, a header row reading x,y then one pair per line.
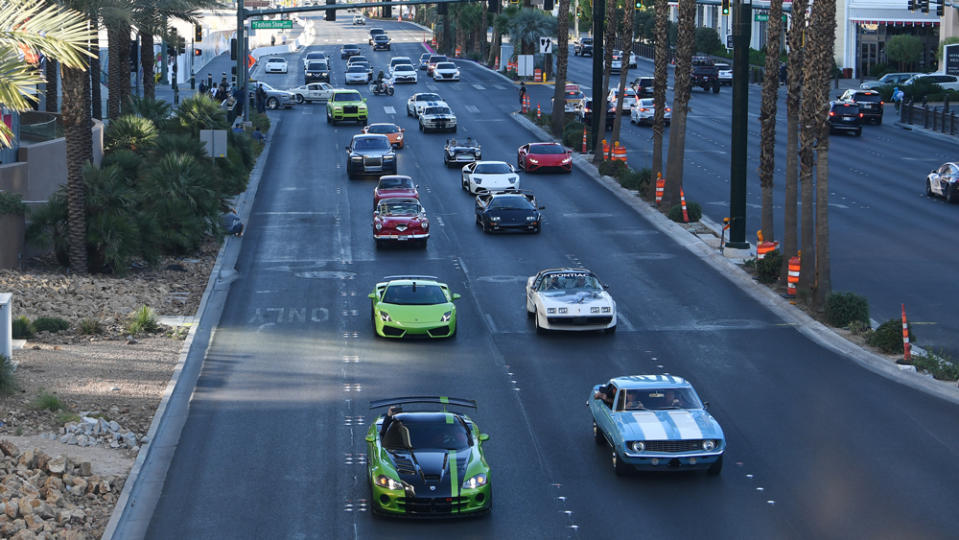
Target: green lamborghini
x,y
427,463
413,306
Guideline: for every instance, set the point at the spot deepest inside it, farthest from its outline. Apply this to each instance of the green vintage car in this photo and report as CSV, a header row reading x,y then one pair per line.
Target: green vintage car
x,y
427,463
413,306
346,105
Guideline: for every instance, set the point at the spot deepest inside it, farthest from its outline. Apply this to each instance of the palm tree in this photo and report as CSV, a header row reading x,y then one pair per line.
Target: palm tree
x,y
767,117
599,94
823,26
77,125
626,36
562,59
659,84
117,18
797,28
51,72
28,27
681,86
95,94
527,26
501,25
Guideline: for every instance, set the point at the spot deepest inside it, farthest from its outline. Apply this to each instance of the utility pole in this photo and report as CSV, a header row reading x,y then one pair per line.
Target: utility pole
x,y
241,54
742,11
576,18
599,101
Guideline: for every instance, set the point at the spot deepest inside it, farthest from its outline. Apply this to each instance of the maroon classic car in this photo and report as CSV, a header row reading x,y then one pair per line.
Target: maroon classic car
x,y
394,185
543,157
400,220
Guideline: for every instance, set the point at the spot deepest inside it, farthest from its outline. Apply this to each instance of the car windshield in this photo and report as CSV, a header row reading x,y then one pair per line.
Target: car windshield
x,y
380,37
511,201
658,399
414,295
350,48
846,109
492,168
446,65
438,110
570,282
317,66
400,207
371,143
315,56
433,434
403,67
546,149
575,94
587,41
395,182
356,68
428,97
868,98
275,61
382,128
435,59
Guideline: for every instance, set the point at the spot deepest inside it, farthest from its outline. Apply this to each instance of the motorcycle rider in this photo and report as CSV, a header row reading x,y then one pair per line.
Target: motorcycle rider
x,y
380,86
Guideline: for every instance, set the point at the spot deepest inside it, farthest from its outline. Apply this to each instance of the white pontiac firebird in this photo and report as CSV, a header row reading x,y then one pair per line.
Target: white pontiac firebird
x,y
570,299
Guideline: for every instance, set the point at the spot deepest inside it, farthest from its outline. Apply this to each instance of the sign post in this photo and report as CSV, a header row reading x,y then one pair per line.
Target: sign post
x,y
950,54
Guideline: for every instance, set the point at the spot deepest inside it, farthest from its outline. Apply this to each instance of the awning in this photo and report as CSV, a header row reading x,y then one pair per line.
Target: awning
x,y
892,17
895,23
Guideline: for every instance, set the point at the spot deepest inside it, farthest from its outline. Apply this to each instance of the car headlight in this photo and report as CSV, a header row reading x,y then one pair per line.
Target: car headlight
x,y
563,310
388,157
378,226
637,446
446,316
384,316
530,218
479,181
567,160
594,309
534,161
709,445
607,309
425,224
475,482
550,310
387,482
356,158
494,218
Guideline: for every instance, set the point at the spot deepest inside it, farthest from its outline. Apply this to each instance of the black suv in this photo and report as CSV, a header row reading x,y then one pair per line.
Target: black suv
x,y
370,154
375,32
705,74
317,71
381,42
583,47
845,116
586,114
869,101
644,86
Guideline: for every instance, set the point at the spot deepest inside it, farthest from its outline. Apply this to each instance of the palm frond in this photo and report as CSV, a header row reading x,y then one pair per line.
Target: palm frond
x,y
59,33
18,80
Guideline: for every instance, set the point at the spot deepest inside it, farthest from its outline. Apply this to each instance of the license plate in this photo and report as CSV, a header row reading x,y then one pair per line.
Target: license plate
x,y
402,238
847,119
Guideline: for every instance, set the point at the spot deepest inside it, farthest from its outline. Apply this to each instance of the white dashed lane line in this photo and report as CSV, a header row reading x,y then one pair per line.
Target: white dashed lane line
x,y
479,86
473,109
388,109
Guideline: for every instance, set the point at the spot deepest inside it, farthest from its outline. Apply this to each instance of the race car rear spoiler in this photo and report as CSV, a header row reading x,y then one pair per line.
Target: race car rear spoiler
x,y
435,400
390,278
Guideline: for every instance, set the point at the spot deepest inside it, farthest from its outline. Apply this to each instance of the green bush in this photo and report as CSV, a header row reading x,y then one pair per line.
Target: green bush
x,y
888,337
573,135
262,121
637,180
8,378
22,328
843,308
940,365
616,169
143,320
47,402
12,203
692,208
50,324
90,327
769,267
707,41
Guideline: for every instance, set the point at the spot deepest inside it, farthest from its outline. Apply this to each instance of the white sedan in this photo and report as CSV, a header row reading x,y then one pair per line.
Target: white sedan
x,y
319,91
403,73
642,112
446,71
571,299
276,65
420,101
356,74
629,98
482,176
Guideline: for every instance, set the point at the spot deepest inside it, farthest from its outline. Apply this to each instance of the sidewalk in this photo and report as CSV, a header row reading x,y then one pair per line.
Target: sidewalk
x,y
216,67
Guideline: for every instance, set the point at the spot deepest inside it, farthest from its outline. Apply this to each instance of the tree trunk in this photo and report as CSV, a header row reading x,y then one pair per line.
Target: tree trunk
x,y
446,44
562,59
660,73
76,128
793,98
681,82
767,117
96,99
146,62
627,37
599,99
823,25
484,24
115,70
51,73
494,50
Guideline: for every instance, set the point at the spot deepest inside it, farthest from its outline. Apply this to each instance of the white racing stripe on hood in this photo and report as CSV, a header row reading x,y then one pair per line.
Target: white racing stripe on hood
x,y
653,429
686,424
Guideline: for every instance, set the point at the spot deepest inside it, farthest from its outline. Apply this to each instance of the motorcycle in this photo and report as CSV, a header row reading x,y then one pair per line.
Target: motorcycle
x,y
385,88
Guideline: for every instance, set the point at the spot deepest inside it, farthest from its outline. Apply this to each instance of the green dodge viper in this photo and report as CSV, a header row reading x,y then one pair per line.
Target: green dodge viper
x,y
413,306
427,463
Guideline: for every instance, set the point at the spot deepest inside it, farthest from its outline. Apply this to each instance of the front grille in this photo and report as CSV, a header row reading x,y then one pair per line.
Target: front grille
x,y
442,505
350,109
587,320
439,332
373,161
674,446
390,331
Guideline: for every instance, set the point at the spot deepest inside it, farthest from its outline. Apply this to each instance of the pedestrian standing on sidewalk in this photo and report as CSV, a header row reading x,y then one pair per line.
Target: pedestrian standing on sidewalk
x,y
522,93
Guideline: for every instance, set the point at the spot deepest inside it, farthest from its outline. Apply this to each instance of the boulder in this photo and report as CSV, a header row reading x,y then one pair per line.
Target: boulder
x,y
57,465
8,448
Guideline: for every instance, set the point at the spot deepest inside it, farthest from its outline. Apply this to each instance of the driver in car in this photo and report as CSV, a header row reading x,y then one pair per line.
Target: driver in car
x,y
379,82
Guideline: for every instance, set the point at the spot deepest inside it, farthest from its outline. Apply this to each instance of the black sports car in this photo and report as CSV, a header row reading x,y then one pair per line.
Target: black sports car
x,y
513,210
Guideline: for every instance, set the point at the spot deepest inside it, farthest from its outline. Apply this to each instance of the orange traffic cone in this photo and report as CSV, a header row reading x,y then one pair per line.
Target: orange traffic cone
x,y
605,150
906,347
682,201
539,112
584,140
793,278
660,187
763,247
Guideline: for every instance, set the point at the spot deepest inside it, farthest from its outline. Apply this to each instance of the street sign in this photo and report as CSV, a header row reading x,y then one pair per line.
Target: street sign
x,y
761,17
951,54
280,24
545,45
729,41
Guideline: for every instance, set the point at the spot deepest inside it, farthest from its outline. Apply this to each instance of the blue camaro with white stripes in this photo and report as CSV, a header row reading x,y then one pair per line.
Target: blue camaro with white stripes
x,y
655,422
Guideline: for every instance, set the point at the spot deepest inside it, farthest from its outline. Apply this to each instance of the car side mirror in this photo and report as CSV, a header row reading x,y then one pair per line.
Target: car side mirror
x,y
542,207
605,286
370,438
364,100
483,437
705,405
402,130
457,296
372,296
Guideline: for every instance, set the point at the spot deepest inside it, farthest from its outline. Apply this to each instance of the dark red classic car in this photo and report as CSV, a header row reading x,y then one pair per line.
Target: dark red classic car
x,y
544,157
392,186
400,220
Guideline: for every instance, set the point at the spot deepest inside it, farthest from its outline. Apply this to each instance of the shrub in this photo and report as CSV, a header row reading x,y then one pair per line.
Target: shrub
x,y
90,327
769,267
843,308
616,169
638,180
262,121
859,328
12,203
22,328
50,324
65,417
888,337
693,209
143,320
573,135
47,402
8,379
940,365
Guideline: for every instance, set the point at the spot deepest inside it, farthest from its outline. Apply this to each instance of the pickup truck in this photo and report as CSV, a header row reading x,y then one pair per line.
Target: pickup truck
x,y
583,47
705,74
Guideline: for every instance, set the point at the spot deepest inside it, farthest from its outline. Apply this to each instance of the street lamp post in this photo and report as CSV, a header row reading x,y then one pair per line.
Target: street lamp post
x,y
740,117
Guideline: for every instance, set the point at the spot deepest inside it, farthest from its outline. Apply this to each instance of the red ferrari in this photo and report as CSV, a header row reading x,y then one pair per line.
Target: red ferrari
x,y
394,186
400,220
543,157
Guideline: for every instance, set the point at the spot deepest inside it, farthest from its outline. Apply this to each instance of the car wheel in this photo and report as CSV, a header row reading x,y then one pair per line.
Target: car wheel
x,y
486,228
329,119
423,130
619,467
463,186
539,329
536,230
379,243
349,173
928,188
598,435
950,193
390,91
299,99
408,113
716,467
716,87
610,330
272,103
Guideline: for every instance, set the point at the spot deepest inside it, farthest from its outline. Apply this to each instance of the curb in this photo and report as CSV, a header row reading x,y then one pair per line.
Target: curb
x,y
804,323
134,508
927,132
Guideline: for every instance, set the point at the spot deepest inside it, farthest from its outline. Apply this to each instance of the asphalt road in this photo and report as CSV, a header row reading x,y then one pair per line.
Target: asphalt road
x,y
273,446
888,240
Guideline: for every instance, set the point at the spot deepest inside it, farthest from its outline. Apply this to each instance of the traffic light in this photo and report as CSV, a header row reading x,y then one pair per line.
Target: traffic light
x,y
911,5
197,52
726,7
233,49
638,5
330,13
547,5
925,6
579,13
939,7
181,45
197,33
